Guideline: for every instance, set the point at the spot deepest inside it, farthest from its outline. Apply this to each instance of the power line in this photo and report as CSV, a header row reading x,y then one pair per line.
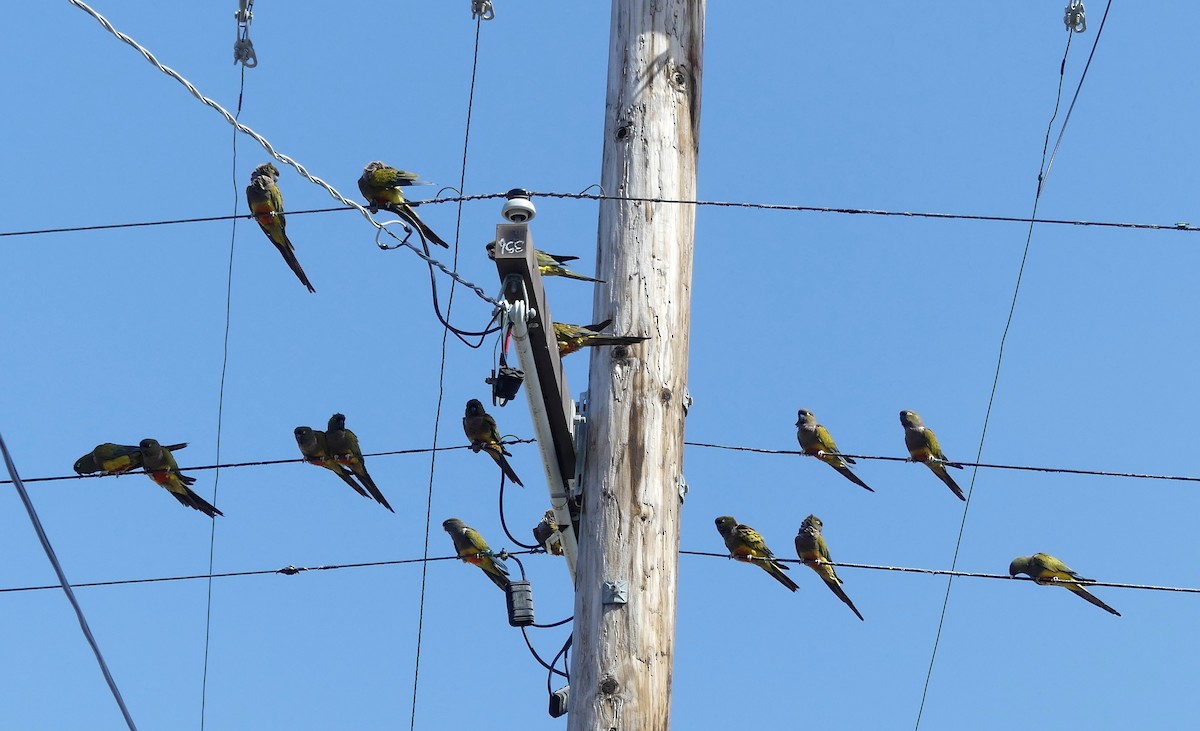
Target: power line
x,y
1043,171
260,463
275,154
984,465
953,572
286,571
703,203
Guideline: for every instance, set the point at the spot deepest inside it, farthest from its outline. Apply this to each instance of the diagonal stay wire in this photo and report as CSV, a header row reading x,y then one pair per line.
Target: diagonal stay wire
x,y
437,418
64,584
271,149
1043,171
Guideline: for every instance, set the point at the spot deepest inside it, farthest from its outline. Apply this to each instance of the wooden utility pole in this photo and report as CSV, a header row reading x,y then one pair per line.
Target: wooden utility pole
x,y
624,635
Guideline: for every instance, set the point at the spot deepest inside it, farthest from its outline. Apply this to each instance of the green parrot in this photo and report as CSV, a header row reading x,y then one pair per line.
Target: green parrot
x,y
342,445
815,441
550,265
481,429
811,548
315,449
745,544
381,184
573,337
266,202
546,534
1047,570
472,549
113,459
923,447
160,466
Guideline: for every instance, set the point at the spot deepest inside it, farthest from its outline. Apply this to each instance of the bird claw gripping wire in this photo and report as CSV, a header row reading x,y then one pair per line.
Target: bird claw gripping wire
x,y
243,49
1075,16
482,9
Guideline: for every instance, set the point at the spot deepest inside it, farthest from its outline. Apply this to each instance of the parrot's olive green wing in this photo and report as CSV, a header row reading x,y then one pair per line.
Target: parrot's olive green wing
x,y
391,177
753,540
825,439
545,259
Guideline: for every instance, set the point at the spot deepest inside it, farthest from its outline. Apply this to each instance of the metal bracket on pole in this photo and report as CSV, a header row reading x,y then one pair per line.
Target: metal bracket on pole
x,y
581,430
683,488
616,591
1075,16
550,408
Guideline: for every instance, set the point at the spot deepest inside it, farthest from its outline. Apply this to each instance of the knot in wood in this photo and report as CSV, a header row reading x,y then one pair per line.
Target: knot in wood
x,y
609,685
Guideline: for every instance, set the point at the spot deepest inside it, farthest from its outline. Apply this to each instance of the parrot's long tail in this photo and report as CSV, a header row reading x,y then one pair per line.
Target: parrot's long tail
x,y
945,477
615,339
568,274
776,571
410,216
841,594
294,264
499,580
1093,599
506,467
361,472
845,471
201,504
348,480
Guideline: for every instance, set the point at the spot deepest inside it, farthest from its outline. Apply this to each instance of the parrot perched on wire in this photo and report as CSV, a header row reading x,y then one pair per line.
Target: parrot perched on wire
x,y
113,459
381,184
266,202
160,466
923,447
342,445
546,535
472,549
573,337
815,441
315,449
551,265
811,548
745,544
481,429
1044,569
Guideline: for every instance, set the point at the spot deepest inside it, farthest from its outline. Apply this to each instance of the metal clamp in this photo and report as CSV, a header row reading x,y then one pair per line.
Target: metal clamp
x,y
1075,16
580,427
243,49
482,9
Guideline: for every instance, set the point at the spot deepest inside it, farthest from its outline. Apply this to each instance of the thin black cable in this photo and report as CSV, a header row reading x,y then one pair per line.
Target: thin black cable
x,y
504,524
538,657
267,462
286,571
635,199
441,379
985,465
559,623
707,445
1043,170
561,653
63,583
212,535
950,572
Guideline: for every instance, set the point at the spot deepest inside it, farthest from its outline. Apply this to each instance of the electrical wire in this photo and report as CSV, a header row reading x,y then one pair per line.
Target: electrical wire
x,y
553,670
271,149
442,367
504,524
260,463
286,571
983,465
951,572
711,203
1043,171
212,536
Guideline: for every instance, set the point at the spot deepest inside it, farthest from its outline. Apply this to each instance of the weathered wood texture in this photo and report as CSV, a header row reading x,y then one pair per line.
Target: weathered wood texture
x,y
623,654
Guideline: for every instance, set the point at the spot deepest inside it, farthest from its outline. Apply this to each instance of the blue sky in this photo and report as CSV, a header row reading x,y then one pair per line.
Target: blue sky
x,y
117,335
